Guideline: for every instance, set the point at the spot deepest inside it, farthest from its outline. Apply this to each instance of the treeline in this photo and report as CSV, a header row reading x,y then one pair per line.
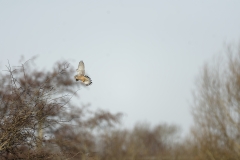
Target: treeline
x,y
38,120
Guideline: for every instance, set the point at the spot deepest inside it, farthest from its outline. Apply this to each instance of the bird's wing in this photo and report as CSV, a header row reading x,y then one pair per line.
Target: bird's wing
x,y
87,81
81,68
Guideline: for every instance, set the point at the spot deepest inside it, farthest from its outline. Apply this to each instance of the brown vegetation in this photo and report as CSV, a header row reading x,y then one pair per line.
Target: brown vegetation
x,y
143,142
38,120
216,110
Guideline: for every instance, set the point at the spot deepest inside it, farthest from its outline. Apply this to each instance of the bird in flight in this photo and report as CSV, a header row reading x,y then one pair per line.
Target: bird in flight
x,y
81,74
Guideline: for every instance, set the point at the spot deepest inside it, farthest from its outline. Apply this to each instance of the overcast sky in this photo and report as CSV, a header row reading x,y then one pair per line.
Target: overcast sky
x,y
142,55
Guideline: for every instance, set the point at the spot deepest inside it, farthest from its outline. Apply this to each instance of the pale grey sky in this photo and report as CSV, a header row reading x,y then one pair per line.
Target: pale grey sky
x,y
142,55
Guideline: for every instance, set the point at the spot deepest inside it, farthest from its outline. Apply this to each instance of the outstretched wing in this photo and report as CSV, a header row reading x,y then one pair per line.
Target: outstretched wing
x,y
87,80
81,68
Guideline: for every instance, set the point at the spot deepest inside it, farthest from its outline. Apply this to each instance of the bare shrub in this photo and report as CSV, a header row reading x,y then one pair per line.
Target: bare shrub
x,y
143,142
37,118
216,108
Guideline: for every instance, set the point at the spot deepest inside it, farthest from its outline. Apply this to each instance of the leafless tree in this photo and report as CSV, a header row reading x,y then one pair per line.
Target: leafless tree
x,y
37,118
216,108
142,142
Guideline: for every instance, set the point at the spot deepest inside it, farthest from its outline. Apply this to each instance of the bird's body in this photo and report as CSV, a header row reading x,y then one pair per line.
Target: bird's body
x,y
81,74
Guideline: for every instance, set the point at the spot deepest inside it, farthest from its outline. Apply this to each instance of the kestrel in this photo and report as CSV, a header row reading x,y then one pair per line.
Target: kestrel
x,y
81,74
